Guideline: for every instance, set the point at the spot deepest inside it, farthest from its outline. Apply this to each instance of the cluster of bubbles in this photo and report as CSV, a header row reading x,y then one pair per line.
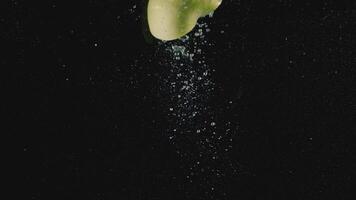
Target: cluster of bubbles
x,y
202,142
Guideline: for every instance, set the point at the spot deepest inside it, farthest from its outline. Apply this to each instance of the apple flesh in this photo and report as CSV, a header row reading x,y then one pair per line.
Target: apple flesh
x,y
172,19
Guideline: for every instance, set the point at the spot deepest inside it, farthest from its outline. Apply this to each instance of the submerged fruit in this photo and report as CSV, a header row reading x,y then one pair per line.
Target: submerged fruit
x,y
172,19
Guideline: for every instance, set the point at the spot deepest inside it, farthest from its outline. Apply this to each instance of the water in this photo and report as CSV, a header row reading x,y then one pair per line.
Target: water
x,y
202,142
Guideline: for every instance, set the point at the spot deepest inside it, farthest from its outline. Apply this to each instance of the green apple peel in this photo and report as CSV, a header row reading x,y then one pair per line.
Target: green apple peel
x,y
172,19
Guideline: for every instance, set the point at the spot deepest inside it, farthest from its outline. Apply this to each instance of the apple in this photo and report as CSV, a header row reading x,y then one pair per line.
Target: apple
x,y
172,19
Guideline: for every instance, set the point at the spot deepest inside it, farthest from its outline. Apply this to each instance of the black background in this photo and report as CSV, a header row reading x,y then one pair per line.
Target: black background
x,y
83,99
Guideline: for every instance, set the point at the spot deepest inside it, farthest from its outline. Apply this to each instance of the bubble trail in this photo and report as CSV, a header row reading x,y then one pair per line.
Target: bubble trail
x,y
202,142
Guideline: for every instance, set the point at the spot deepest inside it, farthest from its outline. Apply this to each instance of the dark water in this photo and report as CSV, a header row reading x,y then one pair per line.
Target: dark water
x,y
256,103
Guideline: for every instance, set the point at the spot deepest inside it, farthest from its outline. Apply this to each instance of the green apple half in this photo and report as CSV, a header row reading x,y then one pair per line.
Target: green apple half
x,y
172,19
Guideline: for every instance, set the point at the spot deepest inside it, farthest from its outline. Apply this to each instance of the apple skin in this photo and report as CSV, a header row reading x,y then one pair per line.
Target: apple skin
x,y
172,19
